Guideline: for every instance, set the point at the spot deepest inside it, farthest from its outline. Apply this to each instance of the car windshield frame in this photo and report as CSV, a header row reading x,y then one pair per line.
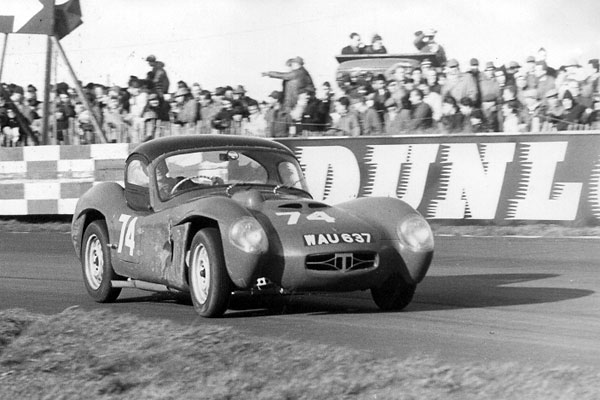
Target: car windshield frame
x,y
264,162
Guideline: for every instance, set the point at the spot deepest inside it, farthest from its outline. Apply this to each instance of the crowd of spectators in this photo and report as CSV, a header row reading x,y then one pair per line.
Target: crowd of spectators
x,y
435,96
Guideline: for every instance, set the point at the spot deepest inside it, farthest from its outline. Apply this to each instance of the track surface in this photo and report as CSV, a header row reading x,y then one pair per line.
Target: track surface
x,y
532,301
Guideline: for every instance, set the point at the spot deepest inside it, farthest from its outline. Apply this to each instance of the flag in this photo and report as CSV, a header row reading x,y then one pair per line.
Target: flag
x,y
67,17
52,20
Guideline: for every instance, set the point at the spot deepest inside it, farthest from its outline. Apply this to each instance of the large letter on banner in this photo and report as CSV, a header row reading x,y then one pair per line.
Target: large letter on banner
x,y
332,172
538,198
399,170
472,179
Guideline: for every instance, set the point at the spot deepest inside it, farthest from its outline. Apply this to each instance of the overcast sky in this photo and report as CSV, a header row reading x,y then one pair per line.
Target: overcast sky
x,y
230,42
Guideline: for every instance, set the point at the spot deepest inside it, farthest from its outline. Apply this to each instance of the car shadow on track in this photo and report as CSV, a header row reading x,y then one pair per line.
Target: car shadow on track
x,y
434,293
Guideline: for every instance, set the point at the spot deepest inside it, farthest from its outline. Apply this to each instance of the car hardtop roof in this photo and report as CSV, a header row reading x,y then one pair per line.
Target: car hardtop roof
x,y
157,147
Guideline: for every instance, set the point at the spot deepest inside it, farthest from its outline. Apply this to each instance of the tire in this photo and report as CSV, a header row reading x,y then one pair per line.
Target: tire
x,y
393,295
210,287
96,264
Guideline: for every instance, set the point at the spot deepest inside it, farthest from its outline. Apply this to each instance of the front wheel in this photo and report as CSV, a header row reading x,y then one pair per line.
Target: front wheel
x,y
393,295
210,287
96,264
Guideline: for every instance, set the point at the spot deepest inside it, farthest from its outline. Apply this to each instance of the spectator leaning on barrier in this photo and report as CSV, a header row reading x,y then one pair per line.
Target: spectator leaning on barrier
x,y
355,46
573,115
452,119
208,110
345,122
433,99
186,110
421,116
222,120
552,110
510,117
64,114
370,125
256,124
473,119
531,114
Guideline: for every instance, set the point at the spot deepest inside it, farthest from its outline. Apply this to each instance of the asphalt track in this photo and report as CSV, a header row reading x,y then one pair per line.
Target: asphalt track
x,y
526,300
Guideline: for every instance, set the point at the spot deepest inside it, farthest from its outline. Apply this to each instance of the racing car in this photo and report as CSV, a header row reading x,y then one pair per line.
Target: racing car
x,y
214,215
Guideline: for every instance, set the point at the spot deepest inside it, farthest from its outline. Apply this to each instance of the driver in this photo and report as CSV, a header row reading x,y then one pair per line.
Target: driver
x,y
164,183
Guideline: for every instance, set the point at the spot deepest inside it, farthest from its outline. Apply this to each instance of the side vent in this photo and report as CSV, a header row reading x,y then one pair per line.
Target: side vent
x,y
295,206
317,205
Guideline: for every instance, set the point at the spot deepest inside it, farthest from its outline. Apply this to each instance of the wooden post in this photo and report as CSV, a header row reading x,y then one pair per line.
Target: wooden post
x,y
4,45
79,90
46,104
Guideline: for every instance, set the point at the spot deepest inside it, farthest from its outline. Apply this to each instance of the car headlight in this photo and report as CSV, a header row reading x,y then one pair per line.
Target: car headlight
x,y
415,233
249,236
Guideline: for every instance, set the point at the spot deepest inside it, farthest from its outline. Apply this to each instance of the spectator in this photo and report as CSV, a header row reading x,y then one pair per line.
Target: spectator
x,y
376,46
85,128
158,75
137,104
310,114
277,119
185,110
370,124
433,99
421,116
458,84
222,120
425,43
531,114
542,55
591,83
238,121
156,115
207,111
396,120
346,123
256,124
431,76
64,114
12,135
451,120
380,95
575,88
114,121
544,82
594,118
529,72
573,115
294,81
511,74
473,119
475,73
510,111
552,110
355,46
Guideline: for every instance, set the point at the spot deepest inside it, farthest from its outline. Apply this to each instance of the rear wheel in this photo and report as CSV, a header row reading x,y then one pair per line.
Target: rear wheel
x,y
96,264
210,287
394,294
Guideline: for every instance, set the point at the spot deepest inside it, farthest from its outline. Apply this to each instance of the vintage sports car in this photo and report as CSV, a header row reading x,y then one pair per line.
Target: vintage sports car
x,y
212,215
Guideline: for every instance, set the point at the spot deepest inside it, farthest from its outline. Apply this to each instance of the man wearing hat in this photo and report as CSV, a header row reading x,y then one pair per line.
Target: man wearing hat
x,y
476,74
425,42
490,97
294,81
157,75
277,120
186,109
239,95
458,84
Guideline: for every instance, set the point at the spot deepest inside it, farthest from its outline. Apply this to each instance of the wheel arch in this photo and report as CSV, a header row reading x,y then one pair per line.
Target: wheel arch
x,y
82,221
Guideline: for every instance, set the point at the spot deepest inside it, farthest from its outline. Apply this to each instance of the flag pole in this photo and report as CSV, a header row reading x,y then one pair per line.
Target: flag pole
x,y
79,90
46,104
4,45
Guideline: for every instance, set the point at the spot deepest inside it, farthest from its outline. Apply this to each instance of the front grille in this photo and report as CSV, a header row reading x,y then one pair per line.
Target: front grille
x,y
342,261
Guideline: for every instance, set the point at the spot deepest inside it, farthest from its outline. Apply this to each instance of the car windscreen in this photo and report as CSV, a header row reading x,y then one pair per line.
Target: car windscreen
x,y
182,172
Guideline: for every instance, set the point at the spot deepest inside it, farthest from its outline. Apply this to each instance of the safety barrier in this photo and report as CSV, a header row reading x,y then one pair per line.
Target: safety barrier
x,y
486,178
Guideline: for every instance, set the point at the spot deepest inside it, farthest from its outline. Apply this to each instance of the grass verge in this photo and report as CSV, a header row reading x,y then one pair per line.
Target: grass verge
x,y
100,355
